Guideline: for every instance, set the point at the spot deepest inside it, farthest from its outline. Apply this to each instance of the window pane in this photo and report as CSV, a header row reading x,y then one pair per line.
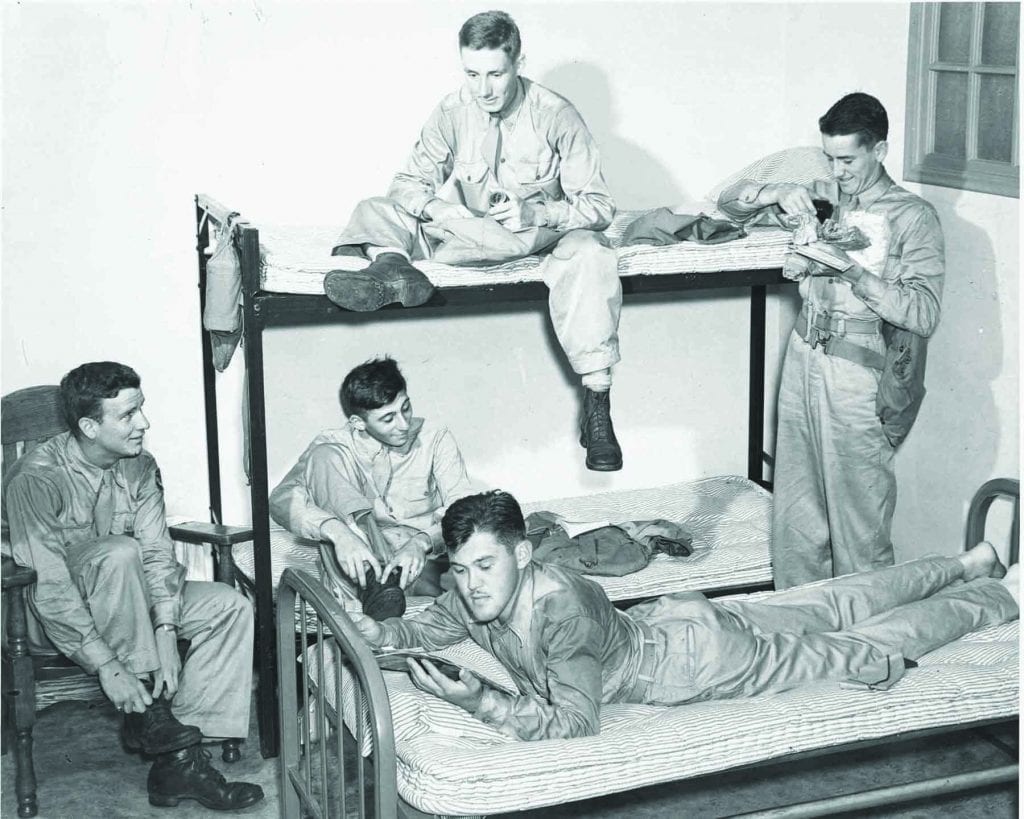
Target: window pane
x,y
955,21
999,34
995,118
951,114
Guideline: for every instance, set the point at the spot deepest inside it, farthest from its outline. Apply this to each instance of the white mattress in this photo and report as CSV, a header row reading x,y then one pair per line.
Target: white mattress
x,y
729,517
296,258
450,763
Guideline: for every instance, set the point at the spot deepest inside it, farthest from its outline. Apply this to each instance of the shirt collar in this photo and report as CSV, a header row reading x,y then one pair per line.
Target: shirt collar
x,y
86,468
522,611
371,447
868,197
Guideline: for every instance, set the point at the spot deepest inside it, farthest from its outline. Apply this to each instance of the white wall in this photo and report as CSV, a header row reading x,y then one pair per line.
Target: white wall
x,y
115,115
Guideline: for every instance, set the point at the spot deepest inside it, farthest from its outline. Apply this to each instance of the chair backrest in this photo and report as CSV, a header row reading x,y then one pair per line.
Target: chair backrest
x,y
27,418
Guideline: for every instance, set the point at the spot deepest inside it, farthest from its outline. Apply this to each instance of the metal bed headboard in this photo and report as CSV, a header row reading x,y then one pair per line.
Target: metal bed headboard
x,y
977,514
312,782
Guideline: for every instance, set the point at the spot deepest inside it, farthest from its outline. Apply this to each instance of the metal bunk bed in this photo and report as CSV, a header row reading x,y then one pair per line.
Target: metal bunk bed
x,y
262,309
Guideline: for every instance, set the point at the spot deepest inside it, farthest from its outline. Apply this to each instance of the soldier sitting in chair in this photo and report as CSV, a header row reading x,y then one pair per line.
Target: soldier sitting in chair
x,y
86,511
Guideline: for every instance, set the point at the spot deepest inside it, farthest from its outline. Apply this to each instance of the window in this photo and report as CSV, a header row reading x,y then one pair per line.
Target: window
x,y
962,112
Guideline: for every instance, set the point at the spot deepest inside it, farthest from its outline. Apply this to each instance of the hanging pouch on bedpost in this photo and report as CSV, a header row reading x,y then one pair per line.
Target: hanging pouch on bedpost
x,y
222,314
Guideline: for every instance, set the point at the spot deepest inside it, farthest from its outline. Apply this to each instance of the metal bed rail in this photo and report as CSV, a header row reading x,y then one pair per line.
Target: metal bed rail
x,y
318,752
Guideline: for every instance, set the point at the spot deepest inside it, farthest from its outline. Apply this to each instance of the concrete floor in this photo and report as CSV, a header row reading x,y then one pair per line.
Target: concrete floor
x,y
83,773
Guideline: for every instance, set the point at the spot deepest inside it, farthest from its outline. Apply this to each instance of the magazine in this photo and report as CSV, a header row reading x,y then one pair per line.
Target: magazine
x,y
394,659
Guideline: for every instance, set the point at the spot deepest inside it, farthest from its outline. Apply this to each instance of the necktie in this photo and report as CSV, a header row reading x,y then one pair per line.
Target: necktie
x,y
103,511
491,148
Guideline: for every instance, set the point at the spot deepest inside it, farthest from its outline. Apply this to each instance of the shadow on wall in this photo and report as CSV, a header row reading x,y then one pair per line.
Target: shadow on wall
x,y
957,436
636,179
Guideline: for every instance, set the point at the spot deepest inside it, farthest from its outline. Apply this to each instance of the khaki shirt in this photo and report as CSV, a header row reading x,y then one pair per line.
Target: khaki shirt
x,y
904,267
548,156
48,510
344,471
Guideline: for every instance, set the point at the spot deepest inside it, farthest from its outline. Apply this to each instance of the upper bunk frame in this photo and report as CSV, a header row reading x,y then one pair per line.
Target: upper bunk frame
x,y
262,309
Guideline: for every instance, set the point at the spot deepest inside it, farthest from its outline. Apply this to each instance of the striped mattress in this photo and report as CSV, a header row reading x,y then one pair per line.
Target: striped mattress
x,y
296,259
450,763
729,517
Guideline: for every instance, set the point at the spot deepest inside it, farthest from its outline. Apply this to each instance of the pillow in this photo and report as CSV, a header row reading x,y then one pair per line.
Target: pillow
x,y
801,165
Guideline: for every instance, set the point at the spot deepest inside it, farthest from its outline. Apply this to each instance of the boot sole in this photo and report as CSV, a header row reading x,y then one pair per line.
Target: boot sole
x,y
362,293
615,467
166,800
604,467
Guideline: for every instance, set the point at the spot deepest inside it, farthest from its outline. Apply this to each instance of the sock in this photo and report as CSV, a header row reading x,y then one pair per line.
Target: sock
x,y
373,252
598,380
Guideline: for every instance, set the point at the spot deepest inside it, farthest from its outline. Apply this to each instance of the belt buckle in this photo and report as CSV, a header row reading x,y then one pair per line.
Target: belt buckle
x,y
821,337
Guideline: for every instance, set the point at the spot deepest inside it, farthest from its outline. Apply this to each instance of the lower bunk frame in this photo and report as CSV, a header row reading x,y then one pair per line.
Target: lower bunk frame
x,y
373,790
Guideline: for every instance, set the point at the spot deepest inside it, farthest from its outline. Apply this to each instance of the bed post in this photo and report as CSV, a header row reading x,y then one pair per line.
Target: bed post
x,y
252,342
755,415
209,374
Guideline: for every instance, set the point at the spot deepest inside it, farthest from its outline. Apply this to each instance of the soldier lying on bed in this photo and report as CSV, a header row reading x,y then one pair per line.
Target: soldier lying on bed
x,y
524,176
569,650
388,473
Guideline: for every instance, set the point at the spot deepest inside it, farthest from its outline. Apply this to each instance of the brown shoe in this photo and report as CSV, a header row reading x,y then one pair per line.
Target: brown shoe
x,y
389,278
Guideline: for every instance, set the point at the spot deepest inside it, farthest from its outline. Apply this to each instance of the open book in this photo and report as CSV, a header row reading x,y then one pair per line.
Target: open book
x,y
394,659
819,252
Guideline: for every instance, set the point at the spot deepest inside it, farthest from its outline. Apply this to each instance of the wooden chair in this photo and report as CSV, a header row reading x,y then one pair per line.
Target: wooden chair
x,y
29,417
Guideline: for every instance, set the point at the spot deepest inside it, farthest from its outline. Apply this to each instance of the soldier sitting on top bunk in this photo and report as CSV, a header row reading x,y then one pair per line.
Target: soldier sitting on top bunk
x,y
376,489
524,177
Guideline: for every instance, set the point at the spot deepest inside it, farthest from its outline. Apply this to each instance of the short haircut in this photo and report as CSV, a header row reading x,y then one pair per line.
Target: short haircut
x,y
491,29
370,386
859,114
495,512
83,389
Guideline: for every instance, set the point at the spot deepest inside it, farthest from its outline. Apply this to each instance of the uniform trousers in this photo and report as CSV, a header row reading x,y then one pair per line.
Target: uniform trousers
x,y
834,481
215,684
581,272
843,629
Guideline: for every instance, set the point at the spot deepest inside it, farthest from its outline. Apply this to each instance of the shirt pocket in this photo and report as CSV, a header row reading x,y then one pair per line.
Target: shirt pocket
x,y
74,534
470,176
538,175
123,524
411,497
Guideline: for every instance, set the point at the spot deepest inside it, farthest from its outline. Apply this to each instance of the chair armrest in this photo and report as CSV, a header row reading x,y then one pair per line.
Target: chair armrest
x,y
215,533
15,576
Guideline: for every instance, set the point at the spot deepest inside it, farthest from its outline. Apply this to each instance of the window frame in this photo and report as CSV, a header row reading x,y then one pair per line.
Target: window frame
x,y
983,175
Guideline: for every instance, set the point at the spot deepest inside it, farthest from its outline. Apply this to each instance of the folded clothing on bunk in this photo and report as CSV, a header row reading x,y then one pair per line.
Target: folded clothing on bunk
x,y
663,227
604,549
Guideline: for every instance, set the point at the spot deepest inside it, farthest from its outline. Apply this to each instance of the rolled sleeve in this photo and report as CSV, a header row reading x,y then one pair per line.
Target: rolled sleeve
x,y
910,295
32,507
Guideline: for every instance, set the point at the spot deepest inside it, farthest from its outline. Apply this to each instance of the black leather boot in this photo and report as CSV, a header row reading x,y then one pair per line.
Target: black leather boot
x,y
157,731
597,434
389,278
383,600
188,774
